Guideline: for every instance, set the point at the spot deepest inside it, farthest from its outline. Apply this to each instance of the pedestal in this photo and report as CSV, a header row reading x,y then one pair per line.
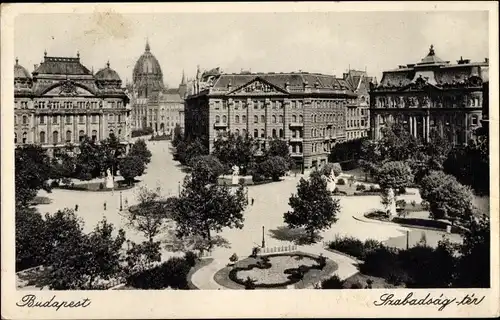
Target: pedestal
x,y
109,182
235,180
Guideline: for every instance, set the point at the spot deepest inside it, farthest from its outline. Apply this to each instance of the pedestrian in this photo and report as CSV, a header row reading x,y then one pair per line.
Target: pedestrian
x,y
76,207
252,201
104,205
126,203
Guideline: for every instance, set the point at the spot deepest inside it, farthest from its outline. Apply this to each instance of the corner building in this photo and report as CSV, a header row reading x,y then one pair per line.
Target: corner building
x,y
63,101
432,95
306,110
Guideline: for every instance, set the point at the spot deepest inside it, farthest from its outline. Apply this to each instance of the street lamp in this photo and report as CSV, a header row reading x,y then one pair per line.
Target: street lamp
x,y
179,187
121,206
263,241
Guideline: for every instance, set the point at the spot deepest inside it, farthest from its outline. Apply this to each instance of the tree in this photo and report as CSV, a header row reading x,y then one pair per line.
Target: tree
x,y
190,150
141,256
233,149
91,162
394,175
205,208
140,150
370,156
473,268
32,172
279,148
79,262
432,181
312,207
274,167
328,168
130,167
452,201
150,214
207,168
397,144
178,136
32,244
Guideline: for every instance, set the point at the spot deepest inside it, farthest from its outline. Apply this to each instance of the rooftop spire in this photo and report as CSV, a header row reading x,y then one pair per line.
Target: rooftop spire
x,y
431,50
147,45
183,80
45,53
17,62
78,54
107,64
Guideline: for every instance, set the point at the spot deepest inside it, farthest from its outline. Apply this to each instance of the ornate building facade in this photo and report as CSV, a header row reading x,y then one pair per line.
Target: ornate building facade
x,y
432,95
62,101
306,110
153,104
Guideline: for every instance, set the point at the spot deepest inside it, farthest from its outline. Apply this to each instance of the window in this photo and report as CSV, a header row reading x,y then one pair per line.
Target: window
x,y
294,133
54,119
281,118
119,132
301,119
55,137
294,105
15,119
262,133
243,119
94,118
255,105
111,133
263,119
236,105
294,118
119,118
224,105
81,134
281,133
274,133
42,136
15,137
25,137
274,118
217,119
312,133
25,119
255,119
255,133
237,131
224,119
362,122
42,119
237,119
94,135
473,120
81,118
68,136
68,119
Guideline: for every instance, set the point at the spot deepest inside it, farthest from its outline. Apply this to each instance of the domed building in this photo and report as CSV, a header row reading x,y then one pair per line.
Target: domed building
x,y
63,101
153,104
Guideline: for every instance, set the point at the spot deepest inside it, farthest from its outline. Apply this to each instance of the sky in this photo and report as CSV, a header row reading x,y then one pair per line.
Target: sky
x,y
324,42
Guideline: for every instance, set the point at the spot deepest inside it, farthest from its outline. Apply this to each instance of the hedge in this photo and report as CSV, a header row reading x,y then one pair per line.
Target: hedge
x,y
354,247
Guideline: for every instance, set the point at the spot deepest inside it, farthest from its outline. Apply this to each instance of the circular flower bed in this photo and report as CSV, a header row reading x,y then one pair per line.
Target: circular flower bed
x,y
276,271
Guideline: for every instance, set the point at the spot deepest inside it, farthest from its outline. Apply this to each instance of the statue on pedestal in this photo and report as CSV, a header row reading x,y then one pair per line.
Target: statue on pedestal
x,y
109,179
330,180
236,173
392,203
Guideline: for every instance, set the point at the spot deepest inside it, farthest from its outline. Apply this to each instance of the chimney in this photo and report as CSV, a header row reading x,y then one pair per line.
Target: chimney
x,y
229,85
486,60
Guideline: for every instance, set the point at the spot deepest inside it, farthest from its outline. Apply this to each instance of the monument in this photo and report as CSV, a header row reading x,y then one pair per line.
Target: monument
x,y
330,180
392,202
236,174
109,180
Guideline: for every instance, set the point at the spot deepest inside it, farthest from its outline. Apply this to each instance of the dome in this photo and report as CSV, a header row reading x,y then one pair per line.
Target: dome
x,y
20,72
147,66
107,74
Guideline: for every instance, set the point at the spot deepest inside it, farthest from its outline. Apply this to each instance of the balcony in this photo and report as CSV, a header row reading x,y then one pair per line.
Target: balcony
x,y
296,124
296,139
297,155
220,125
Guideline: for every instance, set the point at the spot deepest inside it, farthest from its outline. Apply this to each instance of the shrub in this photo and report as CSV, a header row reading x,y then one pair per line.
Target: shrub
x,y
402,190
233,258
54,184
101,186
341,182
172,273
336,190
348,245
249,284
372,188
380,262
356,285
401,203
360,187
425,205
369,284
191,258
333,282
413,203
371,245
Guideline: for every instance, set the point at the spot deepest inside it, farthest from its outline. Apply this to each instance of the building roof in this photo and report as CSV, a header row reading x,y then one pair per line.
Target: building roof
x,y
147,66
436,72
20,72
107,74
62,65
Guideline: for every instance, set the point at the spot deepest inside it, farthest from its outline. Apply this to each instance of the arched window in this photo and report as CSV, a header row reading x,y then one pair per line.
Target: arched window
x,y
25,137
94,135
255,119
42,136
294,133
243,119
25,119
262,133
244,132
111,117
294,118
68,136
81,134
274,133
55,137
224,119
263,119
119,132
274,119
237,119
237,131
217,119
312,133
281,133
301,118
255,133
111,133
68,119
281,118
15,137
